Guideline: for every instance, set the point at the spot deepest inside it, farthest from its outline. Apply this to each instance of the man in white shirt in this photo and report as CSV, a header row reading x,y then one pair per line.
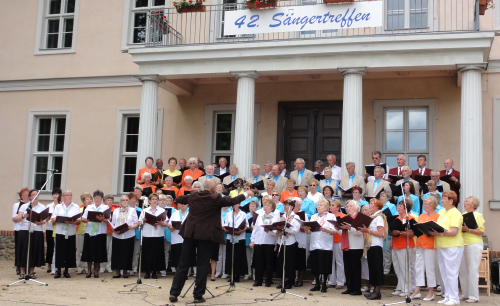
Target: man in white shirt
x,y
222,167
318,167
376,158
336,170
284,170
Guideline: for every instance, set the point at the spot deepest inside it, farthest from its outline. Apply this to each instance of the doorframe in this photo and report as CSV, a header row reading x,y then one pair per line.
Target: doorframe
x,y
285,105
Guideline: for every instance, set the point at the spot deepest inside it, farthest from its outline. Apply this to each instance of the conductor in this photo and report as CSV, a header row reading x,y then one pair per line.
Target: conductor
x,y
201,228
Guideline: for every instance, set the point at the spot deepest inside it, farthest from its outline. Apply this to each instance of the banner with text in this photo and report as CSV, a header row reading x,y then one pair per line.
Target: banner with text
x,y
304,18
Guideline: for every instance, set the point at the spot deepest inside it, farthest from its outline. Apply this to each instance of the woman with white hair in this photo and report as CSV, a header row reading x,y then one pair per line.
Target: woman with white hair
x,y
473,249
197,187
188,181
192,172
147,187
352,246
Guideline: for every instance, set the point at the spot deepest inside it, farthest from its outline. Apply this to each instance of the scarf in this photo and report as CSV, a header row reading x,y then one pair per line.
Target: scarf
x,y
94,226
65,226
344,244
122,216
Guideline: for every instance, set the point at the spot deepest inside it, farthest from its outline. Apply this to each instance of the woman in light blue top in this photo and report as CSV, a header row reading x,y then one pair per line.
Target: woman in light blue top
x,y
409,192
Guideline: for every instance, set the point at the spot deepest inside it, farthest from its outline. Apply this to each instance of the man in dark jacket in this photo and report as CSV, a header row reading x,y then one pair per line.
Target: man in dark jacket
x,y
201,228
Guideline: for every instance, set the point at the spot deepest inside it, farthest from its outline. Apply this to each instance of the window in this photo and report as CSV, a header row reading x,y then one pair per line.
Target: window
x,y
139,19
407,14
227,5
406,127
129,153
47,148
224,132
56,31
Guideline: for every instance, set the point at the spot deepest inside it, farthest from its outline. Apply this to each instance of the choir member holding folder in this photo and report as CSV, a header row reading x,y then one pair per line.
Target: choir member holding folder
x,y
337,278
124,221
153,256
174,225
300,257
39,217
23,198
321,244
472,232
94,242
263,242
67,215
240,257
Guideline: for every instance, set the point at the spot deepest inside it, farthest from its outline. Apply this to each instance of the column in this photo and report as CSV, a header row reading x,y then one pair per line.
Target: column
x,y
148,118
244,122
471,133
352,118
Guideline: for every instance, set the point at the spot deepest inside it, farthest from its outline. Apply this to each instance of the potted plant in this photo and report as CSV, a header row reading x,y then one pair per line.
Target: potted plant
x,y
258,4
159,21
186,6
484,5
338,1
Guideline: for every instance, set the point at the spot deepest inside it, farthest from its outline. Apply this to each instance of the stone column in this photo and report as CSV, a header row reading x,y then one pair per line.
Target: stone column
x,y
245,122
352,118
471,133
148,118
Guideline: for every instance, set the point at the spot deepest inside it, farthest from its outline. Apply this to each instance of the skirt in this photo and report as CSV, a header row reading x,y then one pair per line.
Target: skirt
x,y
122,253
153,254
37,250
214,251
65,251
240,258
264,259
376,265
49,240
300,259
291,251
94,248
321,261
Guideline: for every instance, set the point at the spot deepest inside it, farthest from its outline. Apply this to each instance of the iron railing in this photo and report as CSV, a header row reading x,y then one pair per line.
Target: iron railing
x,y
401,17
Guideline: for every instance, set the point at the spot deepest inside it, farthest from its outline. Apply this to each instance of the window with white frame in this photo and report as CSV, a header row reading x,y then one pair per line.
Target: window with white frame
x,y
227,5
129,153
57,25
407,14
46,149
139,22
223,136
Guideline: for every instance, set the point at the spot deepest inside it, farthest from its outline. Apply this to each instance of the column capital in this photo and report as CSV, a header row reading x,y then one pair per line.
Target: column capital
x,y
150,77
481,67
353,70
246,74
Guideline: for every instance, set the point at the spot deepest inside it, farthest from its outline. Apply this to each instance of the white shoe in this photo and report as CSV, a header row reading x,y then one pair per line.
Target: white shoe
x,y
247,277
53,272
416,296
451,303
471,301
443,301
396,292
429,299
440,293
313,282
101,271
364,289
438,288
402,294
163,273
224,276
217,275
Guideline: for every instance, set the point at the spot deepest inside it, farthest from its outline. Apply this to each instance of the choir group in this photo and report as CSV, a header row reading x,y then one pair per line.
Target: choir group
x,y
345,229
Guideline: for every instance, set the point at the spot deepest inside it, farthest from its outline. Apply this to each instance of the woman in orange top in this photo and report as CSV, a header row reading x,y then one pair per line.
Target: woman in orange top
x,y
399,249
426,253
290,192
189,185
148,169
193,171
146,177
337,278
169,185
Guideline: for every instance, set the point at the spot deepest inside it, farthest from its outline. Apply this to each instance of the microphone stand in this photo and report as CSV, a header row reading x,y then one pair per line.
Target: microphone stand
x,y
27,276
139,281
232,286
407,218
283,243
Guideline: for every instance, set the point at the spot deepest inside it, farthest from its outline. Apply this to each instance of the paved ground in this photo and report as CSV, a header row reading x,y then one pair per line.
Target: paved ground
x,y
107,291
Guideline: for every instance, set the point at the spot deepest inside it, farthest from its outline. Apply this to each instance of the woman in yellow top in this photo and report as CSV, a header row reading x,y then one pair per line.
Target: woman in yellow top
x,y
473,249
171,171
450,247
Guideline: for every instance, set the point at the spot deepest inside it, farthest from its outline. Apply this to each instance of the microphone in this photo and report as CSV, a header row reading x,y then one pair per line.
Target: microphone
x,y
53,170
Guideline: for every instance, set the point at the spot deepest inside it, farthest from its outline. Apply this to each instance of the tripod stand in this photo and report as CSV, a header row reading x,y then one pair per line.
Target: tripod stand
x,y
192,284
232,286
283,243
27,276
407,219
139,281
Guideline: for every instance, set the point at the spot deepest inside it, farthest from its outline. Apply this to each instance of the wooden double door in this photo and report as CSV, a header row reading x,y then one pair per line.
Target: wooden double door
x,y
309,130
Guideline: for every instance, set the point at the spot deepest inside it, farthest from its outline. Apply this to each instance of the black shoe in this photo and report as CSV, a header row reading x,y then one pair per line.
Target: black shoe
x,y
315,288
268,284
147,276
257,284
237,279
199,300
57,275
125,275
299,284
88,275
323,288
96,275
117,276
356,292
172,298
348,291
288,284
66,275
279,286
374,296
154,276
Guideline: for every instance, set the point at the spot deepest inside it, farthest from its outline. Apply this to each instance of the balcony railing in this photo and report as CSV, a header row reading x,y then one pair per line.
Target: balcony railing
x,y
401,17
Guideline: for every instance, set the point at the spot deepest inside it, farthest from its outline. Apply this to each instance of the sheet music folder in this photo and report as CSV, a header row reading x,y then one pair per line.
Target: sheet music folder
x,y
63,219
37,217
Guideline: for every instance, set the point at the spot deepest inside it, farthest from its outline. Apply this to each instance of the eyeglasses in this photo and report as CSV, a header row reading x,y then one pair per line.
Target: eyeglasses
x,y
276,195
312,185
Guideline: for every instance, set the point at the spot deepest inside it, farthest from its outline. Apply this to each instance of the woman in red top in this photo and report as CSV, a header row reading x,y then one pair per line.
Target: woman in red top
x,y
146,177
399,249
189,185
426,253
337,278
290,191
193,171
